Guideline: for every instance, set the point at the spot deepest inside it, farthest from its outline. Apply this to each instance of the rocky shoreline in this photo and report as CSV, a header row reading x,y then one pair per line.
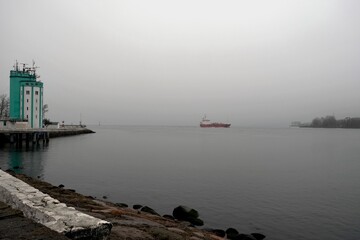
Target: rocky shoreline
x,y
138,222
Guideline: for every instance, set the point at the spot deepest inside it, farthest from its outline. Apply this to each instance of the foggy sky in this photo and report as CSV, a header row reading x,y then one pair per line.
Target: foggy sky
x,y
163,62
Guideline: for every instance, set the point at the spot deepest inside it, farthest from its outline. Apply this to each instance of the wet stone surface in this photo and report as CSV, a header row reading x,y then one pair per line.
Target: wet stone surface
x,y
13,225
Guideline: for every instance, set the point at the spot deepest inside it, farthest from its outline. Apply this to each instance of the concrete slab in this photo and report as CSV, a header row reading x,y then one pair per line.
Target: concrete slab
x,y
13,225
50,212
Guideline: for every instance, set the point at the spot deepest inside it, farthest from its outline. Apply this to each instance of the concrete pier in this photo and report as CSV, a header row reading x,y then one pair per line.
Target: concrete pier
x,y
35,136
50,212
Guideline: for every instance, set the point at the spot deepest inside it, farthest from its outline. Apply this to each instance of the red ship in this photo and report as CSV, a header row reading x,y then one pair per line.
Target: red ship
x,y
206,123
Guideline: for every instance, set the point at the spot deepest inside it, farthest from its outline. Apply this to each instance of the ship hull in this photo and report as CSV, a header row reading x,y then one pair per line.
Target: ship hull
x,y
215,125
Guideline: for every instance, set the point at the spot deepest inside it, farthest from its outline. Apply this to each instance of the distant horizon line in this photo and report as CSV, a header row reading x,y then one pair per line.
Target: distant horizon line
x,y
197,126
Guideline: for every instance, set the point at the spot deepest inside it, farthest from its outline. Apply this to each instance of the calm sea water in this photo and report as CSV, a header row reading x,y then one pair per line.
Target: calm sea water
x,y
285,183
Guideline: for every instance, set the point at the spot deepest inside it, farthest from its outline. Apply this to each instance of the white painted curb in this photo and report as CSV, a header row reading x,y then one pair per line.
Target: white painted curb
x,y
50,212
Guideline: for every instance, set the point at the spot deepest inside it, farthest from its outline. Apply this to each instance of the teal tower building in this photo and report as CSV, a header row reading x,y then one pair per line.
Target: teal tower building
x,y
26,96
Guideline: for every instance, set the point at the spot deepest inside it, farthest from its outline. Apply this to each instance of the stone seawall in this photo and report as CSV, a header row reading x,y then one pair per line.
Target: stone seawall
x,y
50,212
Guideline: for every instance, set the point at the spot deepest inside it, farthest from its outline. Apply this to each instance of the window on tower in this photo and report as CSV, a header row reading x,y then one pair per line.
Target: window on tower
x,y
27,92
36,92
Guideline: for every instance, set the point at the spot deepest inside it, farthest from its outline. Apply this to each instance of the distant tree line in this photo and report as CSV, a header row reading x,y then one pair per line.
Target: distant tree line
x,y
4,106
331,122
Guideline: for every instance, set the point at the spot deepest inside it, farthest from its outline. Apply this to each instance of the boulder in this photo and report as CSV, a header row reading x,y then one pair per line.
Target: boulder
x,y
184,213
196,221
121,205
258,236
242,236
149,210
10,171
137,206
231,233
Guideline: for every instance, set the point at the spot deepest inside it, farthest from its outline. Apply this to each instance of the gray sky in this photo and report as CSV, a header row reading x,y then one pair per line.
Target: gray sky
x,y
163,62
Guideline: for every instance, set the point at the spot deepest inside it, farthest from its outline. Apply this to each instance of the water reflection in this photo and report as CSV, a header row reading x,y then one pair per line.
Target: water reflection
x,y
27,160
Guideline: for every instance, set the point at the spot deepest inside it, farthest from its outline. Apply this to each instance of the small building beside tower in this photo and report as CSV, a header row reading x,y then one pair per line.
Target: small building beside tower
x,y
26,96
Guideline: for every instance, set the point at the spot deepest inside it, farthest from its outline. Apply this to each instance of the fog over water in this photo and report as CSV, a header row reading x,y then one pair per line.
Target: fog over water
x,y
254,63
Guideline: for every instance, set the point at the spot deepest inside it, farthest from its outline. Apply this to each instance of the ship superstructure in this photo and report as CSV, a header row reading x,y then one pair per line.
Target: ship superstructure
x,y
206,123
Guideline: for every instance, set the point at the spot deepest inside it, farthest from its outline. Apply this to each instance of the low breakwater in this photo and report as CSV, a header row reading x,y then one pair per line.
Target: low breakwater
x,y
68,132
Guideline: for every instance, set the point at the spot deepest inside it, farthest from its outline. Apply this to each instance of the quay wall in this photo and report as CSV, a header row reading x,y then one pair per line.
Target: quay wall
x,y
35,135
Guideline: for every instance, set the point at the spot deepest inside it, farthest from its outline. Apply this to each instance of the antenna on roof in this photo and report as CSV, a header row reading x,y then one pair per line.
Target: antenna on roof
x,y
24,67
33,69
16,67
